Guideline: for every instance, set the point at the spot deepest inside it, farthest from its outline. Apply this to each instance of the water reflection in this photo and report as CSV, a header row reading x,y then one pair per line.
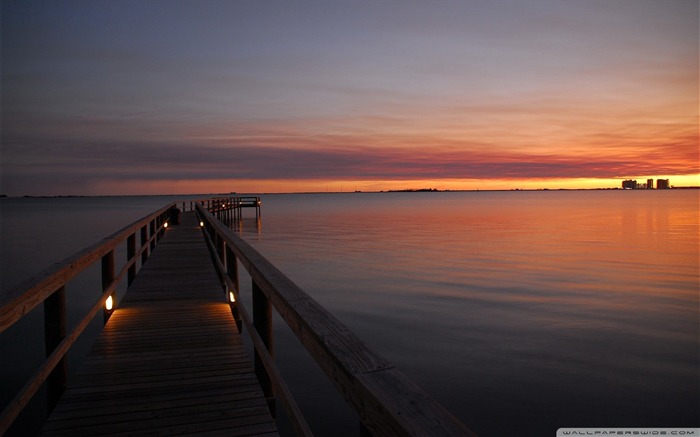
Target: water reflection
x,y
245,225
522,312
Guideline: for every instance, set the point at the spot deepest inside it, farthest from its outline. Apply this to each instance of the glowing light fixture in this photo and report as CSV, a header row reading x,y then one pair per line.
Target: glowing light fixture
x,y
231,297
109,303
165,225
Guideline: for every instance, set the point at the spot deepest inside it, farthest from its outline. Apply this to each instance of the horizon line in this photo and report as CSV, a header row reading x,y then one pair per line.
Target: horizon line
x,y
408,190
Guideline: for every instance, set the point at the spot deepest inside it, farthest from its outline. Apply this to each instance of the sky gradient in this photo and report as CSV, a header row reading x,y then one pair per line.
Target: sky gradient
x,y
161,97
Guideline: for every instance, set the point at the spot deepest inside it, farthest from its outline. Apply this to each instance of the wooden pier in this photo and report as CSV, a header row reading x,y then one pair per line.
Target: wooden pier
x,y
170,359
228,208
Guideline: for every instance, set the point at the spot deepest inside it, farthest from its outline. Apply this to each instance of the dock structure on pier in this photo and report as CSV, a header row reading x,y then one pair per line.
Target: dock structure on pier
x,y
170,359
228,208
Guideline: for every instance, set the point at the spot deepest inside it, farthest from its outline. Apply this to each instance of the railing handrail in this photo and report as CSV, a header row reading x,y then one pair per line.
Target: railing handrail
x,y
48,287
33,291
386,401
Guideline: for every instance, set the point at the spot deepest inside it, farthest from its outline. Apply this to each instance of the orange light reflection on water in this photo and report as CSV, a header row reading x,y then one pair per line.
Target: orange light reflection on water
x,y
586,293
593,249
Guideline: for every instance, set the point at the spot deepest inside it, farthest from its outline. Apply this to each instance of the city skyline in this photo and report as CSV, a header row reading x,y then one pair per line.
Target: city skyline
x,y
632,184
163,97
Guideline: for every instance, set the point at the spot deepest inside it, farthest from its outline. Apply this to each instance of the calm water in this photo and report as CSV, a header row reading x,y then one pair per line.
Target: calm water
x,y
521,312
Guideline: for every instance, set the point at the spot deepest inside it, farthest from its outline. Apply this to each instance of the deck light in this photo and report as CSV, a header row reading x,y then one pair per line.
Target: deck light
x,y
109,303
201,224
165,225
231,297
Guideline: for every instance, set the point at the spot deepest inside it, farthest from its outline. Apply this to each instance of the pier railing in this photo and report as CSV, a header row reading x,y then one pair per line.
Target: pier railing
x,y
49,288
386,401
226,208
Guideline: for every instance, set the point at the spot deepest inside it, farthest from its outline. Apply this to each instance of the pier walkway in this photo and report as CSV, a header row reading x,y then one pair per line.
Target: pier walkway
x,y
170,359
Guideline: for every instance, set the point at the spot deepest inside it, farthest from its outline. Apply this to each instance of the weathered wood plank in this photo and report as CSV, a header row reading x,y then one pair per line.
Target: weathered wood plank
x,y
233,396
170,360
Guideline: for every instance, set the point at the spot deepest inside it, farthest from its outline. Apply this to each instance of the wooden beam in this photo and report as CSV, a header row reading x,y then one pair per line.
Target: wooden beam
x,y
54,333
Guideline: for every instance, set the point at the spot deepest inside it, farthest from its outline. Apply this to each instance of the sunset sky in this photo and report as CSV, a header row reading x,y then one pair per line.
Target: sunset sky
x,y
160,97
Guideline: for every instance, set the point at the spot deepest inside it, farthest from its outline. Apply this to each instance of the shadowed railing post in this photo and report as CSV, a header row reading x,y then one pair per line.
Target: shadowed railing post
x,y
220,248
144,240
54,333
262,320
107,278
232,272
232,266
152,232
130,252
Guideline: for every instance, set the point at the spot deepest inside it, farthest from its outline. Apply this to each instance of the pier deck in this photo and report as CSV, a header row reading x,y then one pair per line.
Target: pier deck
x,y
170,360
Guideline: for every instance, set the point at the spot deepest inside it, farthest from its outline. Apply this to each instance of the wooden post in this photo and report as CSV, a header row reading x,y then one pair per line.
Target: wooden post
x,y
232,267
262,320
54,333
220,248
107,278
144,240
130,252
159,222
232,272
152,229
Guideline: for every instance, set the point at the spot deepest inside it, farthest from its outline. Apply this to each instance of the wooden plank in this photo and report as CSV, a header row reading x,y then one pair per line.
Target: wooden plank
x,y
170,360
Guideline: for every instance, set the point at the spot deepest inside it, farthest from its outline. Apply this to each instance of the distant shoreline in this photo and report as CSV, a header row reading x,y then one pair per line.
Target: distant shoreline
x,y
409,190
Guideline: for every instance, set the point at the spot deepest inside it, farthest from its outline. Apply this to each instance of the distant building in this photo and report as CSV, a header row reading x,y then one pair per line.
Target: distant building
x,y
629,184
650,184
662,184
